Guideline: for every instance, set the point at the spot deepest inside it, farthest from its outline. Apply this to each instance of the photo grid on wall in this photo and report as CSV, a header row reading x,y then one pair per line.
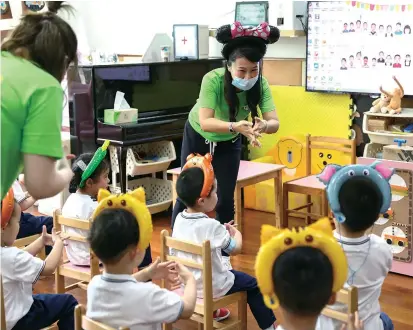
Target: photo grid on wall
x,y
356,47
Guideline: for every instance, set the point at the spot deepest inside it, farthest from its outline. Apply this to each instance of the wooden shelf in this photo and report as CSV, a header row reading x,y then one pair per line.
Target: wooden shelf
x,y
406,113
387,137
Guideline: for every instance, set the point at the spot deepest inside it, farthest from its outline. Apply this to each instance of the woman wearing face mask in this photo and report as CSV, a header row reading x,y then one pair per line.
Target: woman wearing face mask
x,y
228,96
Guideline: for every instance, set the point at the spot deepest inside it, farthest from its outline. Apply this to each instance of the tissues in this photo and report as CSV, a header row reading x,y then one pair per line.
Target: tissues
x,y
121,113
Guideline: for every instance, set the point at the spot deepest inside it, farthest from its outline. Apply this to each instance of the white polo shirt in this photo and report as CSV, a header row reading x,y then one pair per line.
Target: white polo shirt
x,y
78,206
369,278
20,270
326,324
197,228
118,300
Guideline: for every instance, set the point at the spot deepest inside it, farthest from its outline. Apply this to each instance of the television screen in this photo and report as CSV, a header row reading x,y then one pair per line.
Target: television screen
x,y
354,47
167,87
251,13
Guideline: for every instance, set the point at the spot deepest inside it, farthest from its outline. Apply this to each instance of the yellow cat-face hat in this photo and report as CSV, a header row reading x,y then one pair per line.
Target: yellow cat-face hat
x,y
134,202
275,241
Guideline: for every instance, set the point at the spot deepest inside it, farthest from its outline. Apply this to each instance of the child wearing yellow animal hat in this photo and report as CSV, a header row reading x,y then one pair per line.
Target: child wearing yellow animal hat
x,y
298,272
120,233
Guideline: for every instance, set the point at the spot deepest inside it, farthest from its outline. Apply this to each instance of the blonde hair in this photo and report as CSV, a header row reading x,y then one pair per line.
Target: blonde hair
x,y
48,40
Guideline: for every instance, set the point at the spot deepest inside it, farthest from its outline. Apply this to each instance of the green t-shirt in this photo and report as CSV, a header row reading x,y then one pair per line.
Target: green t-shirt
x,y
212,96
31,115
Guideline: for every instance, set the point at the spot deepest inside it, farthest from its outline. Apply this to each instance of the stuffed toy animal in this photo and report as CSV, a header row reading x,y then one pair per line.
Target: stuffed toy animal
x,y
395,105
380,103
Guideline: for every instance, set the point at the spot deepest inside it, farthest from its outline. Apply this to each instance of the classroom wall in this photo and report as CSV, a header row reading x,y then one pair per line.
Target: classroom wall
x,y
129,28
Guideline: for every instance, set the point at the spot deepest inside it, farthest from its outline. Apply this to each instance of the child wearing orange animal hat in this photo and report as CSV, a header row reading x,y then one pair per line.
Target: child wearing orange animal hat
x,y
21,269
197,188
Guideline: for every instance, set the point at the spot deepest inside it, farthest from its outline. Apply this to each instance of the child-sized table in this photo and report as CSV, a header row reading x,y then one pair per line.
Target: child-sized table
x,y
249,173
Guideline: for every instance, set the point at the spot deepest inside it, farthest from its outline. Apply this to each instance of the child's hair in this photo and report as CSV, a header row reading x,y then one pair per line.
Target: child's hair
x,y
189,185
303,280
77,170
112,232
360,201
49,40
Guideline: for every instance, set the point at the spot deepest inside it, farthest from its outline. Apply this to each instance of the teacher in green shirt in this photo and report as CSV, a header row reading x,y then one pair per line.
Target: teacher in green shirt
x,y
228,96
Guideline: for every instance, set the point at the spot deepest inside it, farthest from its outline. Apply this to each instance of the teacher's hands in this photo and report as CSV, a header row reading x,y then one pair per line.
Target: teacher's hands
x,y
245,128
260,125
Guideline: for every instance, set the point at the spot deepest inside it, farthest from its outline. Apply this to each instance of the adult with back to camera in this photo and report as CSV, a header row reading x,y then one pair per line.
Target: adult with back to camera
x,y
228,96
35,58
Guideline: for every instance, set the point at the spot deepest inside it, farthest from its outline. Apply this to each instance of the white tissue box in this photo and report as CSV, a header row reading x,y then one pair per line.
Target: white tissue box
x,y
120,116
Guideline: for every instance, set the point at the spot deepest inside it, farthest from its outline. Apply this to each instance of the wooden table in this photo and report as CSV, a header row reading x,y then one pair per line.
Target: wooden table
x,y
249,173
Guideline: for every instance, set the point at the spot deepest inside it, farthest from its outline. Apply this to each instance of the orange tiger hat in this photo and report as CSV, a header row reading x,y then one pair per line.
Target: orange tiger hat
x,y
205,164
7,207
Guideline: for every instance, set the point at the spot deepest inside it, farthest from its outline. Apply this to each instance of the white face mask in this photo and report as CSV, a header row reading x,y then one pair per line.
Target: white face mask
x,y
245,84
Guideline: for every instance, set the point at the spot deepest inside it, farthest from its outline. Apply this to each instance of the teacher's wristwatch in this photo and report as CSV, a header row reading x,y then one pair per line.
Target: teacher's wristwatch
x,y
231,128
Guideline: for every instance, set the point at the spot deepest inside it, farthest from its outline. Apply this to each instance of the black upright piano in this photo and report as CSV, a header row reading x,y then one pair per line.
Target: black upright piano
x,y
163,93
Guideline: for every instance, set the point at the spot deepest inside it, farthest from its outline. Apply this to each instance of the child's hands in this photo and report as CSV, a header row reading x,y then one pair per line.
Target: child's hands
x,y
184,273
162,270
231,229
56,236
353,323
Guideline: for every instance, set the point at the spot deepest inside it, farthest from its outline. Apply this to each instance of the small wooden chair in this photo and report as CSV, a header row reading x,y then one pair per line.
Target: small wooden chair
x,y
82,322
205,307
21,243
310,185
348,297
3,312
83,274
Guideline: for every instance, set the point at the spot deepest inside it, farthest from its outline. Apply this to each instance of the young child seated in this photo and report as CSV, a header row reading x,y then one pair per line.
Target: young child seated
x,y
298,272
120,233
196,187
357,195
20,269
82,203
30,224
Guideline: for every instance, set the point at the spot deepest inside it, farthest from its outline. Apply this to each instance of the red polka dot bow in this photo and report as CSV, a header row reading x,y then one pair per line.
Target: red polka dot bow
x,y
260,31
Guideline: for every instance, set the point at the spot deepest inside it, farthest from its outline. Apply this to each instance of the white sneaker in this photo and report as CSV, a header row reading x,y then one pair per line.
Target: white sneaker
x,y
226,260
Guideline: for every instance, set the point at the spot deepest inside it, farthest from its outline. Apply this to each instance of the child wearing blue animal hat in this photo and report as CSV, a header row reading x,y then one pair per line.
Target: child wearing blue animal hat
x,y
357,194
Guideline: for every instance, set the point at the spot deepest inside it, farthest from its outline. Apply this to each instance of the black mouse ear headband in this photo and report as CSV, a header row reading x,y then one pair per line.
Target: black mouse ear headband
x,y
235,35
